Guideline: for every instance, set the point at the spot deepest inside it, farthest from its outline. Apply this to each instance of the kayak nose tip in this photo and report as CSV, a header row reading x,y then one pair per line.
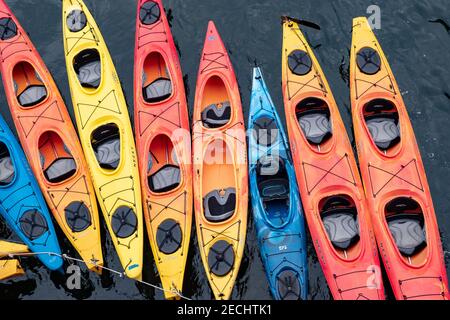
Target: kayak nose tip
x,y
54,263
211,27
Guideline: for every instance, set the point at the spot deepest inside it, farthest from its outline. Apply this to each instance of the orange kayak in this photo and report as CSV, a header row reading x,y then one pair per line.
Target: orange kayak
x,y
220,167
394,177
49,139
163,142
330,187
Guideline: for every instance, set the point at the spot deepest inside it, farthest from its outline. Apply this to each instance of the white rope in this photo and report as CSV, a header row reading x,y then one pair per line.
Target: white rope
x,y
120,274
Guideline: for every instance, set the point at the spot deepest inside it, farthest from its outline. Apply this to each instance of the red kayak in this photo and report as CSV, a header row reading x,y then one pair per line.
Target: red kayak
x,y
163,142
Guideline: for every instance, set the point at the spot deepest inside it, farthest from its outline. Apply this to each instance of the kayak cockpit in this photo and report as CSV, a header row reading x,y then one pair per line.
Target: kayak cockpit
x,y
57,162
405,221
340,219
29,87
382,121
7,170
313,116
88,68
273,187
105,141
156,81
163,170
218,184
216,107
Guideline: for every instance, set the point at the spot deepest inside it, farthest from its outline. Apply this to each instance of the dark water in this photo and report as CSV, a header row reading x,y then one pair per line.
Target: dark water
x,y
418,51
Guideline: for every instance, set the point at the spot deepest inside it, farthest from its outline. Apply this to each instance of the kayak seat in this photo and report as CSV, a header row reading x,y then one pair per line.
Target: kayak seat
x,y
405,220
219,205
216,115
408,232
315,125
7,170
165,179
266,131
381,118
340,220
385,131
342,228
32,95
158,90
106,145
87,66
60,170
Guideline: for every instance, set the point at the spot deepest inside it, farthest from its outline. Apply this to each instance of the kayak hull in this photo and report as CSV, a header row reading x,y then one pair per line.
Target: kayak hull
x,y
103,122
327,173
163,124
282,243
393,174
220,167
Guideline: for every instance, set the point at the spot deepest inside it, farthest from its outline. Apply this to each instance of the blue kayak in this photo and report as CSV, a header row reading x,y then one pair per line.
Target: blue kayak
x,y
277,209
21,202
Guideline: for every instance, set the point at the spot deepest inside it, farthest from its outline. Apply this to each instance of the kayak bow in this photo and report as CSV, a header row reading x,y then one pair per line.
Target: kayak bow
x,y
49,139
105,132
163,143
220,167
276,206
331,191
394,176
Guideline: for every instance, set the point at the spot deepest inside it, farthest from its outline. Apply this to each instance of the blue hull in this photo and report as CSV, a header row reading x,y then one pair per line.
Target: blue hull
x,y
22,204
279,223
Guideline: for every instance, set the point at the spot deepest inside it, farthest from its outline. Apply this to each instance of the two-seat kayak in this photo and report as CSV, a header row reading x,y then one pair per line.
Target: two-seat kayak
x,y
163,142
394,176
22,204
49,140
105,132
330,187
220,180
276,206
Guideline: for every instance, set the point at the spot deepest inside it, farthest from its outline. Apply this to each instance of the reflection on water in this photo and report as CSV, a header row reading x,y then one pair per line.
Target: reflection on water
x,y
414,35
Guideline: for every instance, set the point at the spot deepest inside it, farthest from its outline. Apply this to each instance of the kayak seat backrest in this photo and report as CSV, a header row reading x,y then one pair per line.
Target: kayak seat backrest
x,y
266,131
158,90
382,122
219,205
32,95
342,228
408,232
165,179
7,170
313,116
274,189
88,68
216,115
106,145
60,170
406,224
340,221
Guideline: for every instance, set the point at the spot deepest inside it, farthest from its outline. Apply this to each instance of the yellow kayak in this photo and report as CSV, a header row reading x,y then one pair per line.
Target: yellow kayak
x,y
10,267
105,132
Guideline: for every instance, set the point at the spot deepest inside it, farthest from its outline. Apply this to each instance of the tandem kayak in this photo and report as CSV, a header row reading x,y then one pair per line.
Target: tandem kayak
x,y
393,174
330,187
105,132
276,206
220,167
163,142
22,204
49,139
10,267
